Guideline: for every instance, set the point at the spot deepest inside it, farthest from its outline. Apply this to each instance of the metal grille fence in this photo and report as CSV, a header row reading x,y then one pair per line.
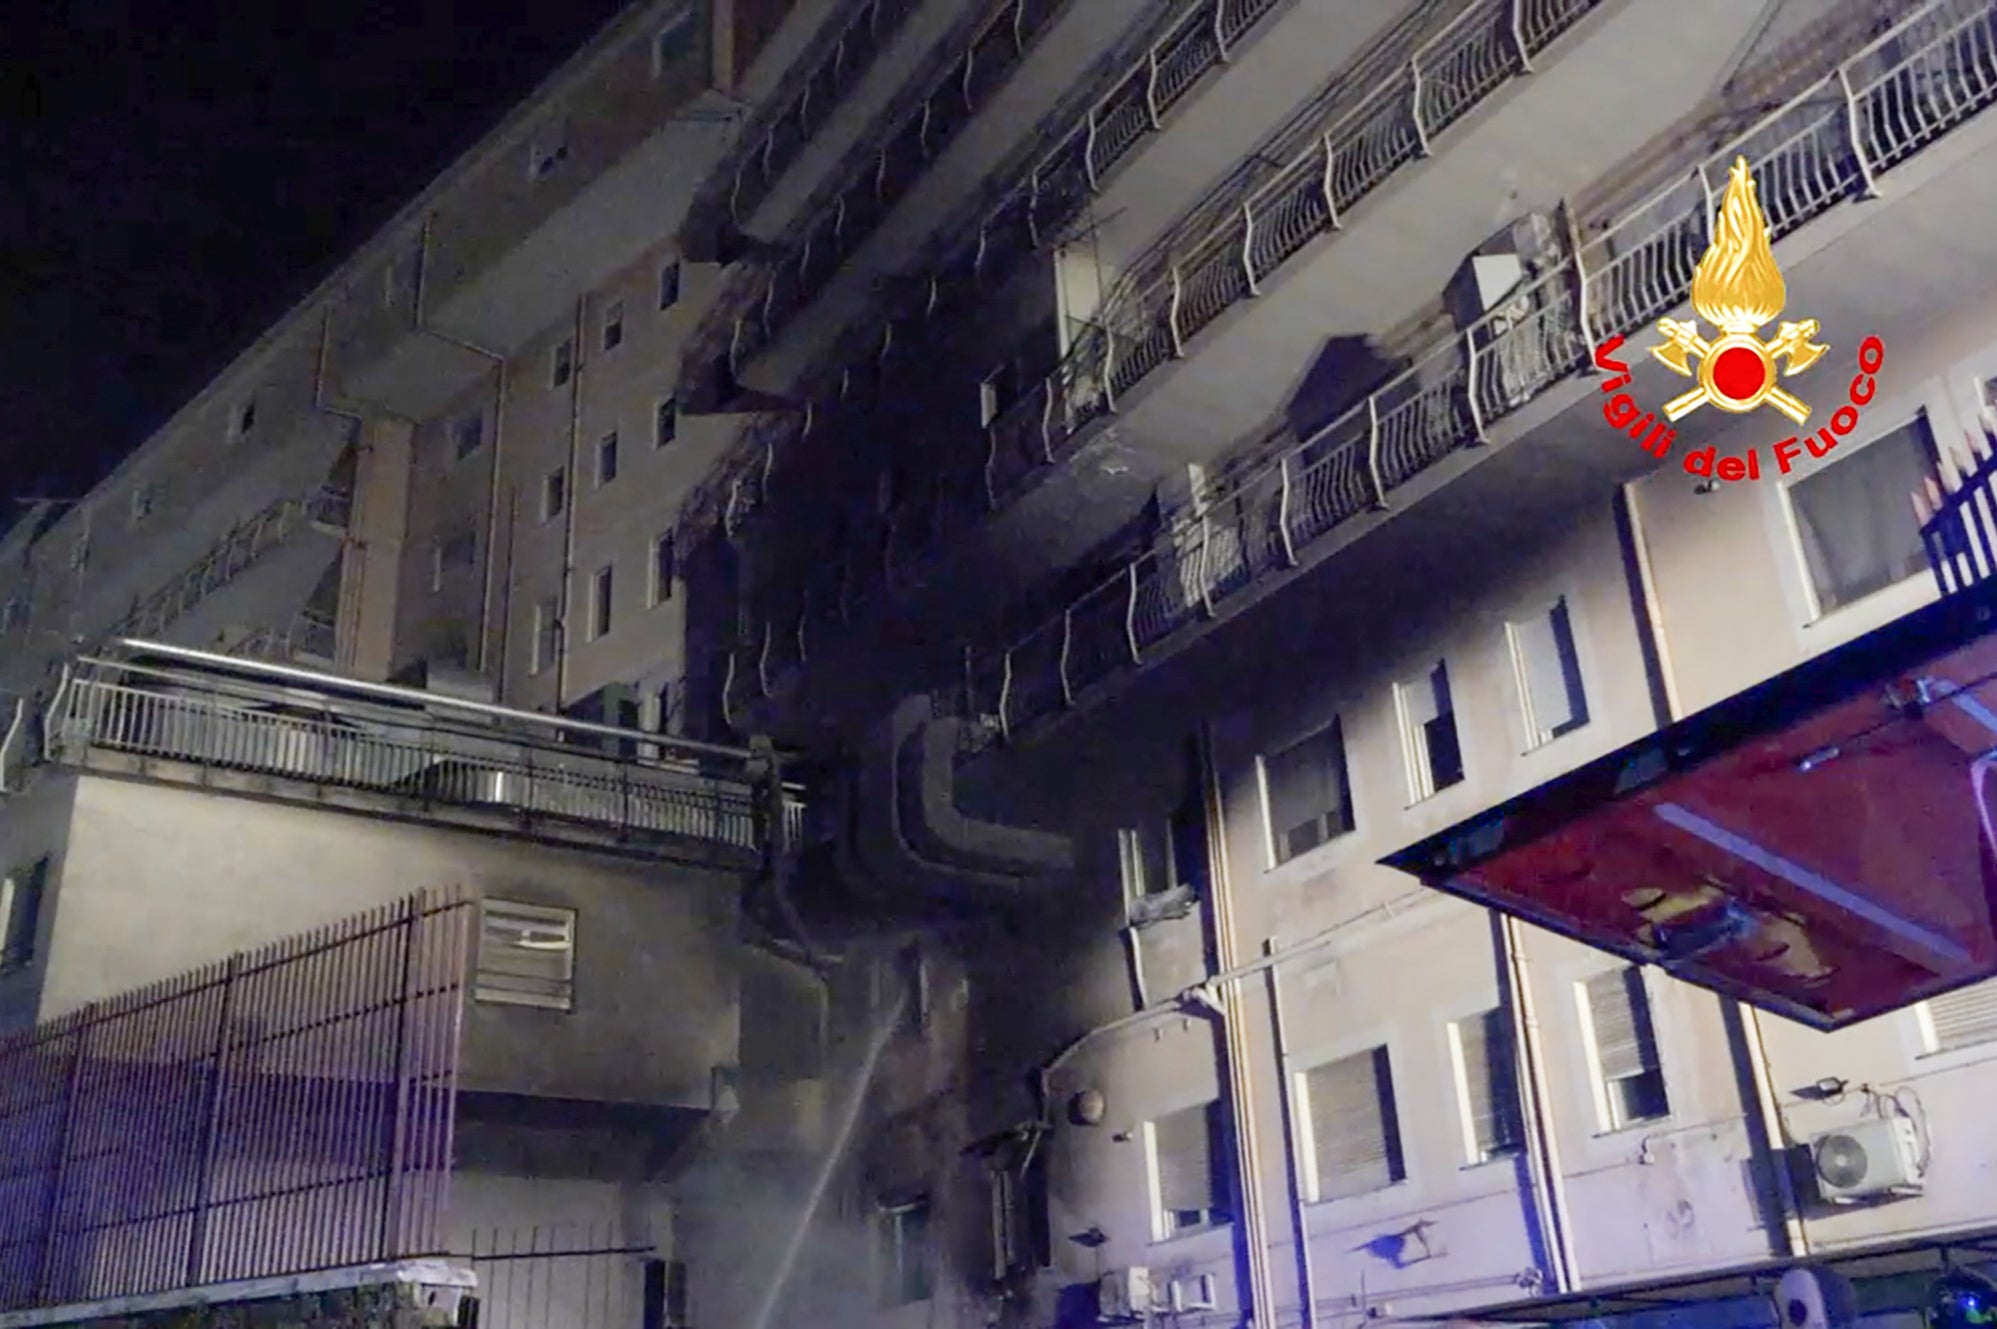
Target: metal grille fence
x,y
287,1109
590,1275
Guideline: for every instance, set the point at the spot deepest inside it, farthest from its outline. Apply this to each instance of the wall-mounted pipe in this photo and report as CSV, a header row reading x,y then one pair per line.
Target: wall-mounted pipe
x,y
571,491
1542,1141
1299,1206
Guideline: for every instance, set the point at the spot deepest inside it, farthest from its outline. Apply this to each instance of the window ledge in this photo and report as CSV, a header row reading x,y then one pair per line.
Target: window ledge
x,y
1164,907
1389,1189
1191,1233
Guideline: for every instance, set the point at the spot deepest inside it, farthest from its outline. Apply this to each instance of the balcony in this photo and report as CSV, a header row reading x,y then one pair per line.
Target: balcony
x,y
272,560
1291,502
795,119
187,718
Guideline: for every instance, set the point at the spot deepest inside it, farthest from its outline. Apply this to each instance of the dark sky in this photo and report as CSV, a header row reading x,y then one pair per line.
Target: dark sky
x,y
175,175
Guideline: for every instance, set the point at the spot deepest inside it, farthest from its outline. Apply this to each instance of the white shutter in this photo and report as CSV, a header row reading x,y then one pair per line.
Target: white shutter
x,y
1350,1103
1965,1017
1619,1039
1184,1143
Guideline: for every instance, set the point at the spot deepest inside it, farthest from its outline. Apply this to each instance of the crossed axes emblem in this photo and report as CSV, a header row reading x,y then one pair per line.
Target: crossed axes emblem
x,y
1792,349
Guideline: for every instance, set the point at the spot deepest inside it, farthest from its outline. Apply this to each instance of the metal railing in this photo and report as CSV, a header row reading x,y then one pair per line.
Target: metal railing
x,y
1051,191
810,94
309,635
16,750
327,507
514,763
1958,515
881,174
286,1110
1431,84
1932,72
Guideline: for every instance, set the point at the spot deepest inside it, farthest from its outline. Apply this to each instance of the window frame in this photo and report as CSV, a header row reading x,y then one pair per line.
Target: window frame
x,y
471,424
554,494
892,1253
671,28
1417,760
1921,415
665,422
602,601
1219,1211
664,574
1475,1154
1930,1042
1610,1120
668,289
1573,672
1394,1135
1274,851
610,334
547,627
561,364
606,449
560,917
23,901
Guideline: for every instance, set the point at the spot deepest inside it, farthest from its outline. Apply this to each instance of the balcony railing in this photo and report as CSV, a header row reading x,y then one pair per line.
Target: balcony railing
x,y
1958,514
1932,72
328,507
1053,190
439,754
807,101
882,173
1892,97
309,635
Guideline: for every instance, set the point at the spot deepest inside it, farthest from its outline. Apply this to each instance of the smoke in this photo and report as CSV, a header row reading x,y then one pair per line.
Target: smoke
x,y
774,1237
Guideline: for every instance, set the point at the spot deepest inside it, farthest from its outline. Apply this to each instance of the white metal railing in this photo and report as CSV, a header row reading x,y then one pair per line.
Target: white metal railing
x,y
805,103
327,506
880,174
212,724
1430,81
309,634
1933,71
1900,92
15,749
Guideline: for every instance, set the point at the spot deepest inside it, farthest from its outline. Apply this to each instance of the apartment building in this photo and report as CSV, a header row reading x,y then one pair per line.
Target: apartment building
x,y
1151,457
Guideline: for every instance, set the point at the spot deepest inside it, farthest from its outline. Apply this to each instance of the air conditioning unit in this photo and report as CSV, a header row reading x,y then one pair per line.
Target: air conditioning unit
x,y
1126,1295
1870,1159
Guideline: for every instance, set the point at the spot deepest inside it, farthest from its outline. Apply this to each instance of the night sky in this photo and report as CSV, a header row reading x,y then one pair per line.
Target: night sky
x,y
175,175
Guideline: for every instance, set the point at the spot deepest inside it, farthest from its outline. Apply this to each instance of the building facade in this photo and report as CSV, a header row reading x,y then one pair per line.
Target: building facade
x,y
1150,462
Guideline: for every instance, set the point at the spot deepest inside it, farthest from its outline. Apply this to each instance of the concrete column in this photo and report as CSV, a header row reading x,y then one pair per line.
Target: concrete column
x,y
371,564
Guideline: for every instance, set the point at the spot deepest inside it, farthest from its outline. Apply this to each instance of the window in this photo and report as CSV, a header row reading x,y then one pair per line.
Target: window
x,y
547,624
613,325
672,42
606,459
1188,1172
669,284
243,419
144,499
526,955
548,150
1164,860
554,494
1308,793
665,569
1549,674
1022,1231
1963,1018
1488,1085
21,914
1856,526
600,598
905,1253
562,363
467,435
1352,1132
1428,733
1615,1011
458,552
665,423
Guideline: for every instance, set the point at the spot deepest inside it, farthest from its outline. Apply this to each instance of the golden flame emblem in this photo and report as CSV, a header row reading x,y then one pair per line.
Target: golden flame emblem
x,y
1738,288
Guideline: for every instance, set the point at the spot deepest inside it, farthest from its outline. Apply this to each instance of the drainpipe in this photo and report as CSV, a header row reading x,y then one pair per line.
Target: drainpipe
x,y
570,493
1223,995
498,361
1770,1131
1299,1212
1542,1143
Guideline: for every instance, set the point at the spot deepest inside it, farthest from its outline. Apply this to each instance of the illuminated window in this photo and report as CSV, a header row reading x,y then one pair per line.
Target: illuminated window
x,y
1184,1153
1549,674
1428,734
1853,517
1352,1127
1308,793
1487,1078
1615,1010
